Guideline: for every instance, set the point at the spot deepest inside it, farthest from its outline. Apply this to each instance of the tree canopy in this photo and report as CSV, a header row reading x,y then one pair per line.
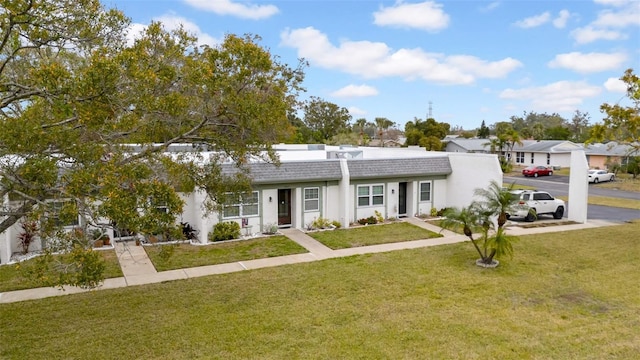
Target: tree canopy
x,y
74,98
325,119
426,133
622,123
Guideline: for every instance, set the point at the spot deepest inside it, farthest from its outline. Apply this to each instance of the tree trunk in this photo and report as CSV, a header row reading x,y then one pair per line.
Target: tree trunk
x,y
17,215
489,259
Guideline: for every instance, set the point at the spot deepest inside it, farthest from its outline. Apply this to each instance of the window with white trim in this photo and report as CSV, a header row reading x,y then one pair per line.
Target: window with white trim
x,y
520,157
66,209
369,195
425,191
241,205
532,158
312,199
548,159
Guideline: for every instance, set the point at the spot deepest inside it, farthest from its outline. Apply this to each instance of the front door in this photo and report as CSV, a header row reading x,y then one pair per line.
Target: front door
x,y
402,199
284,207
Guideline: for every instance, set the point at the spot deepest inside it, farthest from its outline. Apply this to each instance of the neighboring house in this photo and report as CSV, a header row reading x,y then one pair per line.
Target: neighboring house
x,y
601,156
341,184
556,153
530,152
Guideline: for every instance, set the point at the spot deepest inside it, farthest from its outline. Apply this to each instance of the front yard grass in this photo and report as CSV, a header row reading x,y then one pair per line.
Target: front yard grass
x,y
623,182
13,277
609,201
186,255
372,235
569,295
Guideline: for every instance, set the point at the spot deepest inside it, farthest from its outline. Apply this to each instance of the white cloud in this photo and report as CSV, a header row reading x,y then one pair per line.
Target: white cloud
x,y
612,2
615,85
589,34
241,10
355,91
425,16
490,6
588,63
376,60
134,32
609,24
561,21
172,22
354,111
629,16
560,96
533,21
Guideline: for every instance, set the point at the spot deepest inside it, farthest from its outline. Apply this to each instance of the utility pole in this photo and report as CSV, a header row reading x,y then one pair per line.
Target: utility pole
x,y
430,114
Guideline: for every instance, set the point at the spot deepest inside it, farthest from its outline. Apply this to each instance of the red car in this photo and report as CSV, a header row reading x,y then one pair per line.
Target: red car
x,y
536,171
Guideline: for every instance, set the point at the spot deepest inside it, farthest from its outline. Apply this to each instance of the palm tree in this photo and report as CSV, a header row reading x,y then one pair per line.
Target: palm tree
x,y
465,218
488,215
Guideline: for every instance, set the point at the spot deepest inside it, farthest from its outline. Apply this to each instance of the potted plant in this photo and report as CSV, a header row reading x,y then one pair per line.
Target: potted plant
x,y
100,238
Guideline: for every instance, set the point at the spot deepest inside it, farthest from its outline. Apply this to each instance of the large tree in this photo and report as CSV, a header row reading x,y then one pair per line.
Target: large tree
x,y
622,122
325,119
74,97
418,129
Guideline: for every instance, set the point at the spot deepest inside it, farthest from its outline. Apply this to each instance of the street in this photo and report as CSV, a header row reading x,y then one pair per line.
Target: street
x,y
559,186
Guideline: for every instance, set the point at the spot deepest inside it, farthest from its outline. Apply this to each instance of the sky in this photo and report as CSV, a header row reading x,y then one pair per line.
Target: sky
x,y
461,62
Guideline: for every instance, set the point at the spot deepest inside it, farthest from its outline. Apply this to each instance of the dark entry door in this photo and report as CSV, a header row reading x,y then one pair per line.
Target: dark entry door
x,y
402,199
284,207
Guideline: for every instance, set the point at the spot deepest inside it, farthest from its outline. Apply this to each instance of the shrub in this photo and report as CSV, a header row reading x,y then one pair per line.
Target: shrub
x,y
368,221
379,217
320,223
270,229
441,211
225,231
28,234
336,224
434,212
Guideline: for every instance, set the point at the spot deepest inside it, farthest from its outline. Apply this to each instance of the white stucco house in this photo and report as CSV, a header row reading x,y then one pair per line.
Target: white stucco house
x,y
530,152
336,183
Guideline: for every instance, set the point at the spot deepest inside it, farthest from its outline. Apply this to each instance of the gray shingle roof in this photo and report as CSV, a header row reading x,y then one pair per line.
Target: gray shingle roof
x,y
293,171
325,170
387,168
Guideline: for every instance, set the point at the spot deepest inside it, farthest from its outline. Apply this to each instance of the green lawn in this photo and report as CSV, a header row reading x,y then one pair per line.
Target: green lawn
x,y
372,235
186,255
572,295
12,277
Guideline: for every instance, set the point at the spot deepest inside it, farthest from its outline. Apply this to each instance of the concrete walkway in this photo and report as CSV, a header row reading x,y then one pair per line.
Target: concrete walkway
x,y
138,269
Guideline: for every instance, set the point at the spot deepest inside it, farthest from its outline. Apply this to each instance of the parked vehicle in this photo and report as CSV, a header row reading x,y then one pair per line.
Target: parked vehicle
x,y
528,204
536,171
596,176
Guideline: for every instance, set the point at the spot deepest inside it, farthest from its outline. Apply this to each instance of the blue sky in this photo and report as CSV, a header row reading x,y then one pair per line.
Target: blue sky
x,y
472,60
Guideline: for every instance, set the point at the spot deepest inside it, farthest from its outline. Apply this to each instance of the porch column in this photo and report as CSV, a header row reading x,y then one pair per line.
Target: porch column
x,y
345,198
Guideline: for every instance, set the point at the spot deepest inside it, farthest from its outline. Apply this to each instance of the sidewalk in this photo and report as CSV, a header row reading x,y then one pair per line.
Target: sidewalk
x,y
138,269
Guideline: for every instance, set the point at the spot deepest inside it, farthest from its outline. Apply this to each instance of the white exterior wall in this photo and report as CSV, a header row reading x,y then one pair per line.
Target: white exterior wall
x,y
391,194
470,171
439,194
331,206
556,159
578,187
269,209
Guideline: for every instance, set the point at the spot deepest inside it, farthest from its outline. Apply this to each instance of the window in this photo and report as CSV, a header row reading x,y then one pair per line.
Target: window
x,y
63,213
243,205
532,158
311,199
542,196
370,195
425,191
548,159
520,157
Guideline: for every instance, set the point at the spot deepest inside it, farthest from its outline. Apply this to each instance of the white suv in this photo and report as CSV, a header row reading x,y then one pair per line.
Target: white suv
x,y
528,204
